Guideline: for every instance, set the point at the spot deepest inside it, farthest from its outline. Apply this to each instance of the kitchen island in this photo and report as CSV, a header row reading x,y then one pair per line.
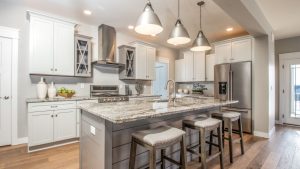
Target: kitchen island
x,y
106,128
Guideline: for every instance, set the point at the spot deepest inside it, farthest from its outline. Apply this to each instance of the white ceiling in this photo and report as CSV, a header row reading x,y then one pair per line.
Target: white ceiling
x,y
121,13
283,15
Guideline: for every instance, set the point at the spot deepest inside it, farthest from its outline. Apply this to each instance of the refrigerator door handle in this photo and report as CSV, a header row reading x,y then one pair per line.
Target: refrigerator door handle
x,y
231,83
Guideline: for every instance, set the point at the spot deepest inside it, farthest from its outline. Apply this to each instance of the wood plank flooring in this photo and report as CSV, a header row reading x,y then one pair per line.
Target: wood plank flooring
x,y
282,151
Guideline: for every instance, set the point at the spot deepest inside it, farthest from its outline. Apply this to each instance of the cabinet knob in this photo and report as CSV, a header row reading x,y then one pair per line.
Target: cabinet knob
x,y
55,69
52,116
51,69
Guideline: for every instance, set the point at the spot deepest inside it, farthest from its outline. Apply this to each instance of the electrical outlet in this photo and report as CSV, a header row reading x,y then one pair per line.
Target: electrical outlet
x,y
82,85
93,130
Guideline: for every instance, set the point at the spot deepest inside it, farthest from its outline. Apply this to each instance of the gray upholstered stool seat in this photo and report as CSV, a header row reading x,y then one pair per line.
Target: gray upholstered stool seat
x,y
202,122
158,139
233,116
160,136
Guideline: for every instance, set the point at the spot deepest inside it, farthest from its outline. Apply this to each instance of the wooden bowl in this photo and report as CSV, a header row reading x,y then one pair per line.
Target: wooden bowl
x,y
66,95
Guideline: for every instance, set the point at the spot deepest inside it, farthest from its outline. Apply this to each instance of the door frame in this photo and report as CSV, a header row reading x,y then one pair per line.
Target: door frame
x,y
162,60
13,34
283,57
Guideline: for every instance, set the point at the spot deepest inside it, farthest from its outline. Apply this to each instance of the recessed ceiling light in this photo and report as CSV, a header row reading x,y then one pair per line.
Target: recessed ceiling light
x,y
153,35
130,27
229,29
87,12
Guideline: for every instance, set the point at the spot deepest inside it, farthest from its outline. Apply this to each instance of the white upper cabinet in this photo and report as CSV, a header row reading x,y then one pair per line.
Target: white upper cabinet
x,y
64,49
210,64
151,58
234,50
41,46
241,50
144,62
199,66
180,70
51,46
223,53
191,68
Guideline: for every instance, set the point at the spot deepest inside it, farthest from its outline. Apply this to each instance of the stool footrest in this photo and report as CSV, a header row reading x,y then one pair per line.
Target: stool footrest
x,y
171,160
213,156
212,144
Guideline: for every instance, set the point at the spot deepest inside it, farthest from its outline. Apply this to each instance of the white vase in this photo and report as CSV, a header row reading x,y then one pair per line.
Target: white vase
x,y
51,91
41,89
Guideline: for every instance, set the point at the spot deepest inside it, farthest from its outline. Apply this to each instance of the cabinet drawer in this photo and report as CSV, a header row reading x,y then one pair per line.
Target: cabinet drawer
x,y
51,106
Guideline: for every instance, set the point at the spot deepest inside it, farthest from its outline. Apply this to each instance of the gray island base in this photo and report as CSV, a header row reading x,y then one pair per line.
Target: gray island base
x,y
106,129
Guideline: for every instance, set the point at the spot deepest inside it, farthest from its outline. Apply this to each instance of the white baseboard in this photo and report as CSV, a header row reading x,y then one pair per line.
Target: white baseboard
x,y
278,122
23,140
264,134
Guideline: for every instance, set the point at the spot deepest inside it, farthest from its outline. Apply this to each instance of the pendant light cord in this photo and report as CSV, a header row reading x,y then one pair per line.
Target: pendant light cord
x,y
200,18
178,15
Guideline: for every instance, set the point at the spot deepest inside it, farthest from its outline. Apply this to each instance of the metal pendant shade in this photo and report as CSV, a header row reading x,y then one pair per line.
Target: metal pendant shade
x,y
179,34
148,23
200,43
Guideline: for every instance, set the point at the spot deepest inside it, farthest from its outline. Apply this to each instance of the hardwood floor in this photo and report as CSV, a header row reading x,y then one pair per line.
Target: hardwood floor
x,y
282,151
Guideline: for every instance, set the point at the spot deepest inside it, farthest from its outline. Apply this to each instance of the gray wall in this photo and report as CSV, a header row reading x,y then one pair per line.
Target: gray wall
x,y
284,46
15,16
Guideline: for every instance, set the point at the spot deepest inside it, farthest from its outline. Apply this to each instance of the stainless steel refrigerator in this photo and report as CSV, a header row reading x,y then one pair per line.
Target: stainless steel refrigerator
x,y
238,80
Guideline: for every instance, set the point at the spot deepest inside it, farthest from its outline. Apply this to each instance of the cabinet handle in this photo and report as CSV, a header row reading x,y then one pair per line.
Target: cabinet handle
x,y
52,116
55,69
51,69
56,115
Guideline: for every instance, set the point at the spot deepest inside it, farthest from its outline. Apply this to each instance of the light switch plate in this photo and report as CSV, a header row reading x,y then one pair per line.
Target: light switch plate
x,y
93,130
82,85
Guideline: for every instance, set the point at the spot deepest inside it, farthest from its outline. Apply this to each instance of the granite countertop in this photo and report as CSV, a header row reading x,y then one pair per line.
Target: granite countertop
x,y
57,99
133,110
143,95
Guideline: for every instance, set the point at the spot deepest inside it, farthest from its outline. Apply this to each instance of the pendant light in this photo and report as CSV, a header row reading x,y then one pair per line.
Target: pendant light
x,y
148,23
179,34
201,43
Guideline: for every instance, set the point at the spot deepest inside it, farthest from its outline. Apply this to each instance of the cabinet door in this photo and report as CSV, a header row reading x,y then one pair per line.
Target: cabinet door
x,y
199,66
41,46
63,49
189,66
141,62
241,50
210,64
223,53
179,70
151,58
64,124
40,128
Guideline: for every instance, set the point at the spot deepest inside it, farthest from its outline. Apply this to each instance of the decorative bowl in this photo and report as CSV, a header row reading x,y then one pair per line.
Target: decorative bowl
x,y
66,95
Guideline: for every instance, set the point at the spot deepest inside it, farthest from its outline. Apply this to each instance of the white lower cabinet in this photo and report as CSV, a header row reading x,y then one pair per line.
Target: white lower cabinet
x,y
49,122
64,124
40,128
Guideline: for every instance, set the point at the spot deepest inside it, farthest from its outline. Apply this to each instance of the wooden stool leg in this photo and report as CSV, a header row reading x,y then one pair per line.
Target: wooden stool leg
x,y
132,154
183,161
203,151
241,135
223,132
210,140
152,158
220,141
230,140
162,154
200,146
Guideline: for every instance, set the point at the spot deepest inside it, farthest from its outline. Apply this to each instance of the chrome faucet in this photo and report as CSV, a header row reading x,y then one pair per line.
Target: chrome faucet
x,y
171,98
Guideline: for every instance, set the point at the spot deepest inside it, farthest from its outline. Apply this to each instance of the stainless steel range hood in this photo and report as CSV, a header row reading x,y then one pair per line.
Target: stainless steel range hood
x,y
107,47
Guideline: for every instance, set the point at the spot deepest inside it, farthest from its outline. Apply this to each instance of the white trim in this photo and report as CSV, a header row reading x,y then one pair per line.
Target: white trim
x,y
49,16
14,35
264,134
23,140
278,122
56,145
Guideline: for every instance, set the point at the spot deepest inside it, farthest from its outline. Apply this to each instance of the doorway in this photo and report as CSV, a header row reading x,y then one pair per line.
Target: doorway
x,y
5,91
290,88
161,78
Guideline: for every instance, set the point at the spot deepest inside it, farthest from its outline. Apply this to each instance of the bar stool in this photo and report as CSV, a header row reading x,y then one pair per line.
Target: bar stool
x,y
158,139
205,125
229,117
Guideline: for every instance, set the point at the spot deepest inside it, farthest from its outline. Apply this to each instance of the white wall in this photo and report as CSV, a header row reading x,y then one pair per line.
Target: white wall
x,y
15,17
